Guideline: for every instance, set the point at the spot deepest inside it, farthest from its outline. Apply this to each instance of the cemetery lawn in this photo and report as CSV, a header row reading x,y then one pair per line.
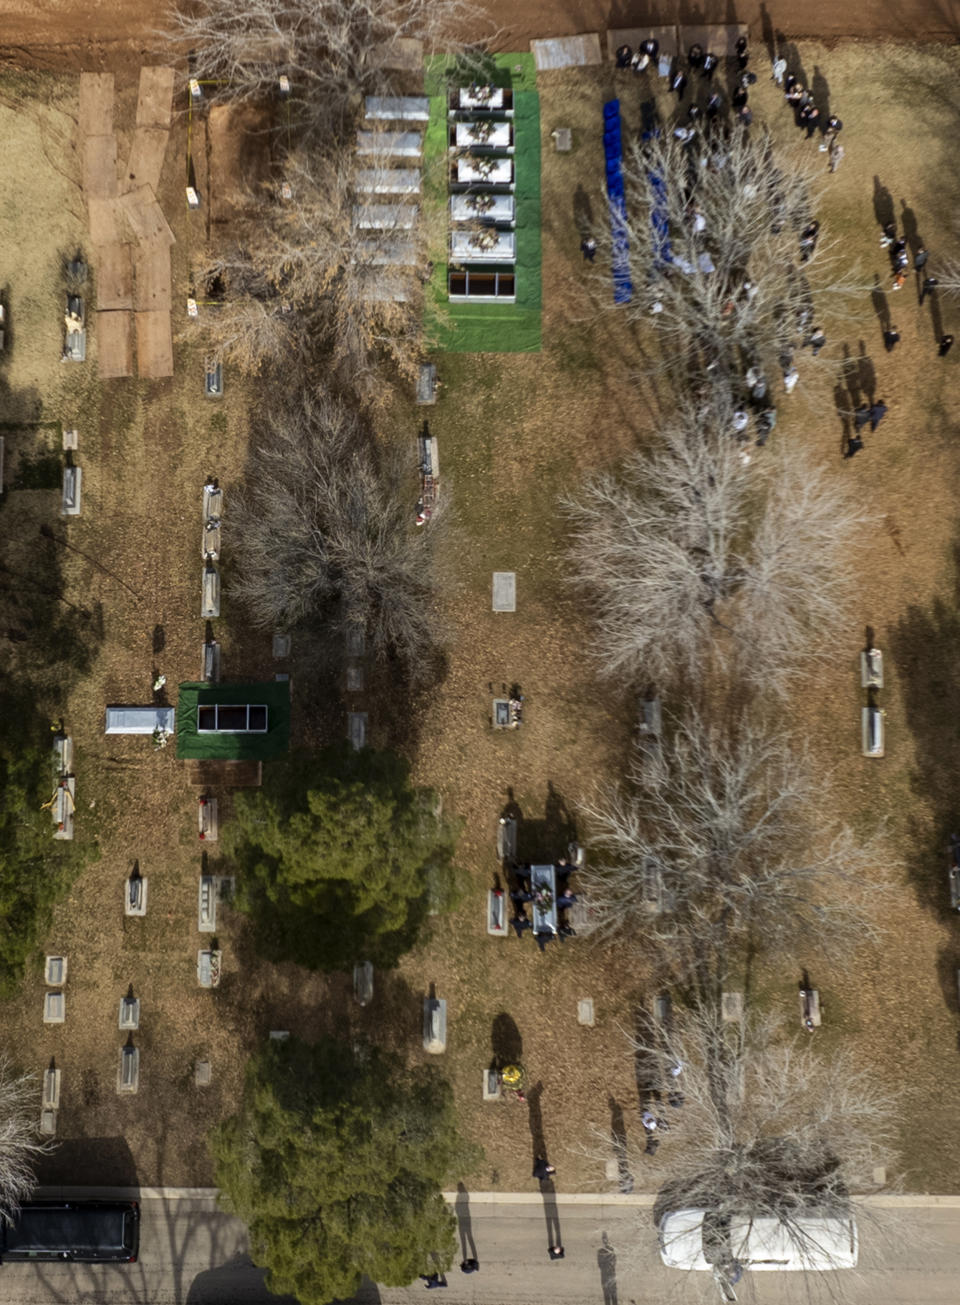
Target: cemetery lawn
x,y
517,432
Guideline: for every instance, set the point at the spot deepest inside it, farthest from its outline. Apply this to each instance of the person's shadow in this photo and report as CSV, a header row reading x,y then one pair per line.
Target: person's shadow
x,y
461,1207
607,1264
881,306
534,1097
550,1213
882,203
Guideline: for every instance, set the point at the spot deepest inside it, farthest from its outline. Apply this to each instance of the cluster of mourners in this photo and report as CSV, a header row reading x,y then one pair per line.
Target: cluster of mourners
x,y
524,893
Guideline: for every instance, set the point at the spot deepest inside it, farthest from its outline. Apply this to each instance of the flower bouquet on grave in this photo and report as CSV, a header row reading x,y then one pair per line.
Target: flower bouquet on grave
x,y
485,239
543,897
481,94
483,167
480,203
512,1077
480,132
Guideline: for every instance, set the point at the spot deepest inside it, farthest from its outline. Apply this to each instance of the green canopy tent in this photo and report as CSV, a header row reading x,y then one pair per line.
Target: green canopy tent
x,y
233,722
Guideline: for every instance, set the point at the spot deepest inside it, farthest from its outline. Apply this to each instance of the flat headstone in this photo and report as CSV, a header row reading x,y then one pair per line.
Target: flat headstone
x,y
72,491
279,1035
207,905
355,679
129,1013
210,593
880,1175
585,1014
562,139
611,1170
491,1085
504,591
48,1123
356,641
211,661
202,1073
70,440
663,1008
731,1007
51,1088
427,383
55,971
281,646
566,52
363,982
357,729
135,896
54,1008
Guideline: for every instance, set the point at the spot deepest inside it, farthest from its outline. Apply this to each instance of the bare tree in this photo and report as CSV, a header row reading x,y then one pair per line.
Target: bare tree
x,y
723,842
309,276
19,1143
696,557
333,51
768,1127
714,230
327,532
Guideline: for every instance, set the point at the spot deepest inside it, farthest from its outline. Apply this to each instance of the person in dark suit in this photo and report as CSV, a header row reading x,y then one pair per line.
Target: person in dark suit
x,y
710,62
891,338
520,922
555,1252
679,84
433,1280
854,445
945,342
543,937
542,1170
470,1266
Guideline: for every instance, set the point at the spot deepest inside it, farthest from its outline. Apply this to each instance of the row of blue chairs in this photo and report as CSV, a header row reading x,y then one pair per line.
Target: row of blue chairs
x,y
613,153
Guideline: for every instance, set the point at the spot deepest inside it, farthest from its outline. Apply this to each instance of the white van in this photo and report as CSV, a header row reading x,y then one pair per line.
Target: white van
x,y
690,1239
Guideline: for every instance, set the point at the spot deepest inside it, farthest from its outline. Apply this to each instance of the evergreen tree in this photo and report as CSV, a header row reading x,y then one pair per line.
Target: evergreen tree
x,y
336,1161
341,858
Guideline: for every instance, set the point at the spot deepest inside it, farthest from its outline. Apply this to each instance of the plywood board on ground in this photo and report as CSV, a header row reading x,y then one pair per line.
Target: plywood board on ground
x,y
114,269
566,52
115,343
108,225
225,774
155,97
145,215
154,345
633,36
151,262
99,166
718,38
96,104
146,158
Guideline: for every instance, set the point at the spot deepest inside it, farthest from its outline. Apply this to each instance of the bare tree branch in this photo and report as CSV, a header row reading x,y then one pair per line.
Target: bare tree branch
x,y
19,1143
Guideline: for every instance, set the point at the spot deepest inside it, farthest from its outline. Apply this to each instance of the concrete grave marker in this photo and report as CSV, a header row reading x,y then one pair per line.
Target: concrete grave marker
x,y
51,1089
357,729
504,591
434,1025
208,968
279,1035
363,983
202,1073
585,1013
48,1123
355,679
281,646
129,1013
491,1085
55,971
72,487
731,1007
207,905
135,896
54,1008
128,1075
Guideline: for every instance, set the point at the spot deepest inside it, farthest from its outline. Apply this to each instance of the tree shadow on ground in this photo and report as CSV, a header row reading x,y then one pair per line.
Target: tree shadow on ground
x,y
542,842
925,648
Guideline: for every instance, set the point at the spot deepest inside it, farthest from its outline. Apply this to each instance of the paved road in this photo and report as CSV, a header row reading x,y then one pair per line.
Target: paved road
x,y
193,1254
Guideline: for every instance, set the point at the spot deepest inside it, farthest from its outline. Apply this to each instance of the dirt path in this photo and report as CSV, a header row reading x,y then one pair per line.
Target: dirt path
x,y
93,34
